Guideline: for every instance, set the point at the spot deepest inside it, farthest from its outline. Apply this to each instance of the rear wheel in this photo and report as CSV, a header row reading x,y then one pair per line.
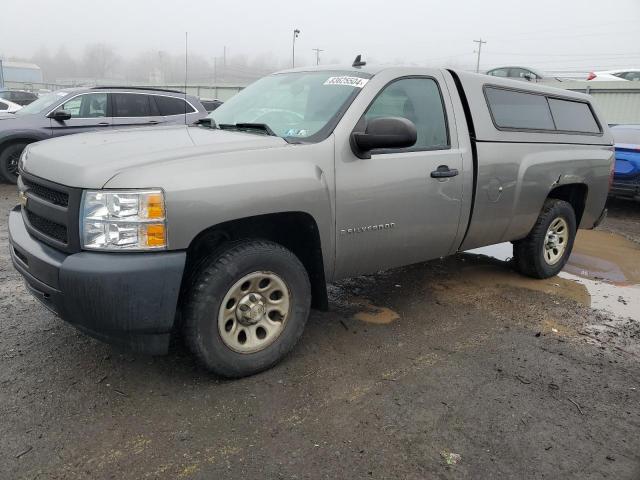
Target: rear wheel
x,y
544,252
246,308
9,158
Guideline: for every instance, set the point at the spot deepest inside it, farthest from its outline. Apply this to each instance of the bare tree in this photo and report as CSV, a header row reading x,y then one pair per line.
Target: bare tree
x,y
100,60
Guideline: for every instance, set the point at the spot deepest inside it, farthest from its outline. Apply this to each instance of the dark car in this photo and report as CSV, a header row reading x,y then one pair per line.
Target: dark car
x,y
18,96
85,109
626,176
210,105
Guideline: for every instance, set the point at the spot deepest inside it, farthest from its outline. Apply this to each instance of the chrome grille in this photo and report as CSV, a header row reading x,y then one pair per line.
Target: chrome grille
x,y
54,196
50,212
47,227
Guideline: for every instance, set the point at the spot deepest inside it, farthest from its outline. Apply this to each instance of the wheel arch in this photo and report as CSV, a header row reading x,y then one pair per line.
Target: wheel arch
x,y
573,193
295,230
6,143
18,138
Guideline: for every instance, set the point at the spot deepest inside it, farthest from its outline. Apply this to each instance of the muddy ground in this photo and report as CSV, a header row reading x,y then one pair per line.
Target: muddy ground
x,y
455,368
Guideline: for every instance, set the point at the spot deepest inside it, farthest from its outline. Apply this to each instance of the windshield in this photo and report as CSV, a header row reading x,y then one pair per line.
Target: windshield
x,y
42,103
630,136
295,106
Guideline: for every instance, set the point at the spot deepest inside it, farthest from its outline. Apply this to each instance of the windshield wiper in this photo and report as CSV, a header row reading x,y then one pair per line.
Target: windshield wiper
x,y
263,128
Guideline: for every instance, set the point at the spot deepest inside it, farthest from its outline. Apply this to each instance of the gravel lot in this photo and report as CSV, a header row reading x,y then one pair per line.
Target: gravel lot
x,y
456,368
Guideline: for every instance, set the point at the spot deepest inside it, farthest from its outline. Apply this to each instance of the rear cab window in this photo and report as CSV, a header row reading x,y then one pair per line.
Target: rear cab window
x,y
573,116
528,111
518,110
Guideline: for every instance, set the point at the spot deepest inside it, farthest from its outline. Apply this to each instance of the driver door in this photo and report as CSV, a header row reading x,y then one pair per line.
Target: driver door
x,y
390,211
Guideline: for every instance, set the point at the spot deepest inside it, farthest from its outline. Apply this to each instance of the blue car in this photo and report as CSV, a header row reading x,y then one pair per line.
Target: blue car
x,y
626,177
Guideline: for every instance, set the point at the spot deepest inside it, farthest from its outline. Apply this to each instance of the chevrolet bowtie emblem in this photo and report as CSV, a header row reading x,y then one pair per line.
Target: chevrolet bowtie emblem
x,y
22,199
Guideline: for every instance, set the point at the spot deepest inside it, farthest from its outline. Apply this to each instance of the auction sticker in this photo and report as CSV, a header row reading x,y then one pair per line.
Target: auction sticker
x,y
347,81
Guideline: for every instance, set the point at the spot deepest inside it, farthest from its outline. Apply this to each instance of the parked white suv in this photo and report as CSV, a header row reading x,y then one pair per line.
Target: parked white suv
x,y
8,107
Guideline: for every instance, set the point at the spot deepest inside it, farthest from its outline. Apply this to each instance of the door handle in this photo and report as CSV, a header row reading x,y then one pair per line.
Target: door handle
x,y
443,171
103,124
153,122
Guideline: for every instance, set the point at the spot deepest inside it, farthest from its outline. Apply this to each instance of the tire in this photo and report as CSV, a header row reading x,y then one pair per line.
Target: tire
x,y
9,161
213,332
531,257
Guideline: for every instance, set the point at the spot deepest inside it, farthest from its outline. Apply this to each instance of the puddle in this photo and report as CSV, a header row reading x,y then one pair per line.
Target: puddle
x,y
362,309
378,315
605,256
606,265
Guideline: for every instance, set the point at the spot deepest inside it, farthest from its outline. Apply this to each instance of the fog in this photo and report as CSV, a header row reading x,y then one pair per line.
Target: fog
x,y
240,40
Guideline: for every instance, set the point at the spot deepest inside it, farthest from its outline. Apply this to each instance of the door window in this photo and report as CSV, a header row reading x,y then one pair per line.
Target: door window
x,y
632,76
418,100
172,106
92,105
26,96
131,105
522,73
499,72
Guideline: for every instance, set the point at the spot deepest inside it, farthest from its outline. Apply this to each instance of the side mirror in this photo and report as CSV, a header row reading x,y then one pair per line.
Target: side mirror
x,y
529,76
61,115
384,132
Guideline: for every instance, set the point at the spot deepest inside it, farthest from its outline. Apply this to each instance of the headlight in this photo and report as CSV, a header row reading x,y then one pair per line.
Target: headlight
x,y
23,159
123,220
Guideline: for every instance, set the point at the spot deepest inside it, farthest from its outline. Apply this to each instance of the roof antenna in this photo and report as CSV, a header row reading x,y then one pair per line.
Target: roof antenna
x,y
186,65
358,62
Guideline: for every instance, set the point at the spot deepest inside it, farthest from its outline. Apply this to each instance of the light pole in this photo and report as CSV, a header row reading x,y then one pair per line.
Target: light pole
x,y
480,43
296,32
317,50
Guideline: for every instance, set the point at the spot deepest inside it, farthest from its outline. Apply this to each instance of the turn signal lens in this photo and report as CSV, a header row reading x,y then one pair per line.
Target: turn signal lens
x,y
154,235
154,206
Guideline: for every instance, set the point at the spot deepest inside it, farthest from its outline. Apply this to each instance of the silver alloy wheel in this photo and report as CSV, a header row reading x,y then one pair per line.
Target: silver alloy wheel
x,y
555,241
254,312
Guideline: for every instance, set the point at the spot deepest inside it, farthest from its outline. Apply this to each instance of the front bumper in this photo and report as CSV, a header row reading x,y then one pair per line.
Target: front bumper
x,y
128,299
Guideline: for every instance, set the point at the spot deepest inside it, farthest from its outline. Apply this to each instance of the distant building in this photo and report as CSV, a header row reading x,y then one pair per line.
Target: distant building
x,y
21,72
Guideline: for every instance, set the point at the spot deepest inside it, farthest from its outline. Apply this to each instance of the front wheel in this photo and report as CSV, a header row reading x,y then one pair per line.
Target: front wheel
x,y
246,308
9,158
545,251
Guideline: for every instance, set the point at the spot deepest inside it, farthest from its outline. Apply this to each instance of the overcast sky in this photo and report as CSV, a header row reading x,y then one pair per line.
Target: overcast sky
x,y
548,34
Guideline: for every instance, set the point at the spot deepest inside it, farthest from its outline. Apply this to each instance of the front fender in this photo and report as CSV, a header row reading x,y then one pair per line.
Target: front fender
x,y
211,190
21,135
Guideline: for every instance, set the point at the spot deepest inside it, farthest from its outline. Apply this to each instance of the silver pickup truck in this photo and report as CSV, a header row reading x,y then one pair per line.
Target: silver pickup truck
x,y
229,230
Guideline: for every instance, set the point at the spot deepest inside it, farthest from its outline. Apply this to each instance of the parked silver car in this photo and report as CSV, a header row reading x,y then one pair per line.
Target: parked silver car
x,y
230,229
518,73
84,109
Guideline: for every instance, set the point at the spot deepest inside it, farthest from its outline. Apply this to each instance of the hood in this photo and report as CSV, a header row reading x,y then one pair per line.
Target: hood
x,y
10,122
89,160
5,115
